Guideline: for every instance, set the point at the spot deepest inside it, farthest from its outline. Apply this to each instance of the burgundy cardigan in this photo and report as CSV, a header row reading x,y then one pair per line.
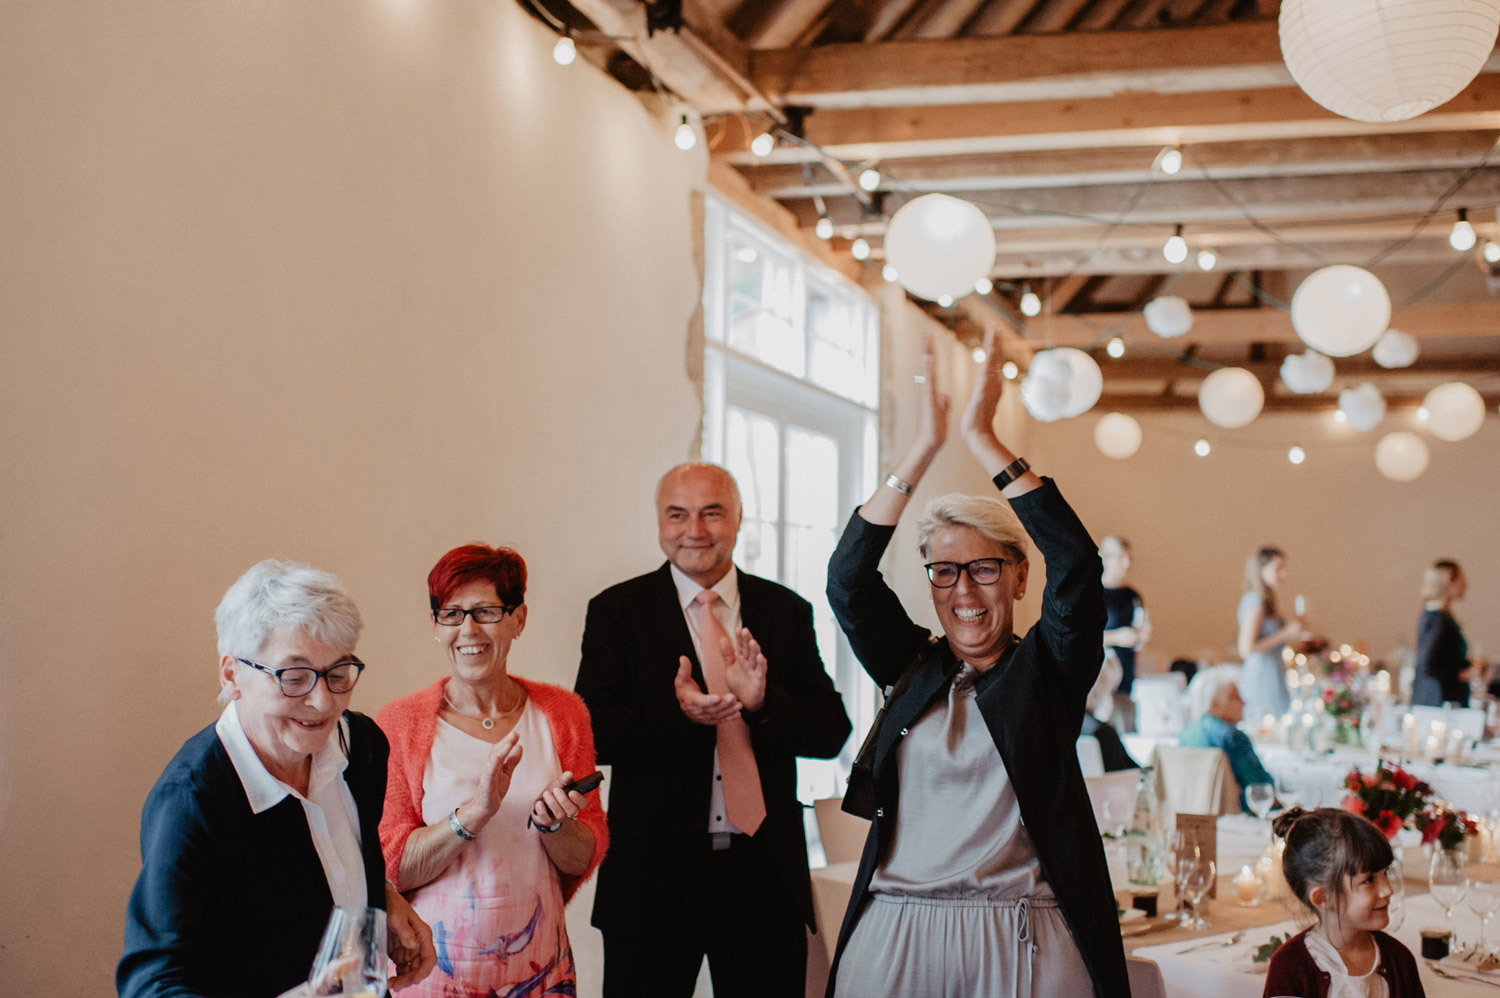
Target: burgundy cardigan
x,y
1293,971
410,723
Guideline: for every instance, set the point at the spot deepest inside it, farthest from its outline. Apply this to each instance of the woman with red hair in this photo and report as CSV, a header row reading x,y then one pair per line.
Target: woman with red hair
x,y
478,832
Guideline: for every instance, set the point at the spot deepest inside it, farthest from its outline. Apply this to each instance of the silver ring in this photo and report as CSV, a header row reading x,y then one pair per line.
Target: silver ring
x,y
920,379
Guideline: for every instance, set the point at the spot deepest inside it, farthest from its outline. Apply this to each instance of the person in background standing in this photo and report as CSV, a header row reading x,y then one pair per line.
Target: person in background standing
x,y
1443,665
1262,633
1127,628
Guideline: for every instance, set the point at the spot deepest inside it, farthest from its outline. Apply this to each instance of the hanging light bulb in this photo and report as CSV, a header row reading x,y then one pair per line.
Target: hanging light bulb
x,y
1340,416
564,52
685,138
1201,448
1031,305
860,249
1461,237
946,301
762,144
1492,252
1115,348
1296,455
979,355
984,285
1169,161
1207,259
1009,370
1423,414
1175,249
869,179
824,228
888,272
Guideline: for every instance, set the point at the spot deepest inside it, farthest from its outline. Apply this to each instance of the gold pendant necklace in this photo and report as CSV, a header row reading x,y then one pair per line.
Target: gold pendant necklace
x,y
487,721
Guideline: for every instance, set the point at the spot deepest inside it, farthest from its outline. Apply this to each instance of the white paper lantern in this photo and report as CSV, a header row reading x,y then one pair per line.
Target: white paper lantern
x,y
1061,383
1363,406
1401,456
1395,349
1307,373
940,246
1455,411
1231,397
1117,435
1168,316
1341,310
1386,60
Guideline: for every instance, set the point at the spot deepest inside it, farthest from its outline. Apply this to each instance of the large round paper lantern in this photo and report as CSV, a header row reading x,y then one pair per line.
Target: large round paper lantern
x,y
1386,60
1401,456
1231,397
1341,310
1168,316
1061,383
1395,349
1363,406
1307,373
1117,435
939,246
1455,411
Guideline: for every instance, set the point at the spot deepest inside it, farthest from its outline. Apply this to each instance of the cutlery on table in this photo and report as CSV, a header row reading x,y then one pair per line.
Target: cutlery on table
x,y
1467,978
1233,938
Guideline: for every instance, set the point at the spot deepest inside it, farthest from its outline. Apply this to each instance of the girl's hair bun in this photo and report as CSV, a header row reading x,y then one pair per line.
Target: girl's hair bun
x,y
1285,820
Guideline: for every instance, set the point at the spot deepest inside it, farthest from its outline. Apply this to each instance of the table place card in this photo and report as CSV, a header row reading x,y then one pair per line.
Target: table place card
x,y
1202,829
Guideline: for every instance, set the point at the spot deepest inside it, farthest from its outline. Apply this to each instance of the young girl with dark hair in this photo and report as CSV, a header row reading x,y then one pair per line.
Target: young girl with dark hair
x,y
1336,863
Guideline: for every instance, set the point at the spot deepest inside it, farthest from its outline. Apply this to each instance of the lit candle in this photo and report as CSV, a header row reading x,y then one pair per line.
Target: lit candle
x,y
1455,745
1409,734
1247,886
1437,737
1268,725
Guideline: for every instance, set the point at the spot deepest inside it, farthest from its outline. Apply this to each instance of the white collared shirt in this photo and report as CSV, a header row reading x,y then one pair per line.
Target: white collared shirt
x,y
727,612
332,817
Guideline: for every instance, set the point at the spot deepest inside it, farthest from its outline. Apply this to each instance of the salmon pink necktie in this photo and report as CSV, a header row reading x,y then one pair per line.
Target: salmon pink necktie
x,y
741,778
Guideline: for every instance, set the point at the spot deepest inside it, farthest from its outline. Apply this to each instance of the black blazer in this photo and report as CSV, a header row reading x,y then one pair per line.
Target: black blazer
x,y
1031,701
1442,653
662,763
230,903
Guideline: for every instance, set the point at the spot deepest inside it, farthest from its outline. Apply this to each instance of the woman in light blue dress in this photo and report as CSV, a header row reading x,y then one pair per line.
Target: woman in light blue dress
x,y
1262,633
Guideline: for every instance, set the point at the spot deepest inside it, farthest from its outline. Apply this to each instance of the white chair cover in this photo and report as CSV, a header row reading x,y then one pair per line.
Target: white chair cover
x,y
1160,706
1090,756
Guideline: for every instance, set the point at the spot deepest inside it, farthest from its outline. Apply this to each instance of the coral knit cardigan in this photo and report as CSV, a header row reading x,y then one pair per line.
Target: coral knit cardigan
x,y
410,723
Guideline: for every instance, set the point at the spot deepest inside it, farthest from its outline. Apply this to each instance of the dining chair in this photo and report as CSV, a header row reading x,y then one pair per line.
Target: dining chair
x,y
1160,705
1145,978
1090,756
1113,798
1195,781
843,834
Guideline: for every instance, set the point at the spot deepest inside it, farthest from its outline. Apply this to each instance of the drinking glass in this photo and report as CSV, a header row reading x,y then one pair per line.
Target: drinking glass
x,y
1288,788
1199,879
1483,897
1397,909
1260,798
351,958
1447,881
1173,858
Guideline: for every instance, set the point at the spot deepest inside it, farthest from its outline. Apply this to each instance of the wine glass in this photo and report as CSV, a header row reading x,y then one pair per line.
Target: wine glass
x,y
1447,882
1172,859
1260,798
1288,788
1483,897
1397,909
351,958
1199,879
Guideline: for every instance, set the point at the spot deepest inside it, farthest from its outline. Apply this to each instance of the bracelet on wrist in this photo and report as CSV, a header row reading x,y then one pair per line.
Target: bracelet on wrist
x,y
898,484
458,827
544,829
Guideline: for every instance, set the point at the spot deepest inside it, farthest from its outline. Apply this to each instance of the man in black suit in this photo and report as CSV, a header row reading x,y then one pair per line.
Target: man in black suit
x,y
704,684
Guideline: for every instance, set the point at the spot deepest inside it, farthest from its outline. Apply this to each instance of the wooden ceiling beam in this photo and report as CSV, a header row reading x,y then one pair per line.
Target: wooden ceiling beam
x,y
704,64
1134,120
939,19
781,25
1054,15
1010,68
1321,156
1130,368
1269,325
1130,402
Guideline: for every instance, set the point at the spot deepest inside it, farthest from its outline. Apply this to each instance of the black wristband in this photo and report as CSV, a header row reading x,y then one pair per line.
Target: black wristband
x,y
1012,471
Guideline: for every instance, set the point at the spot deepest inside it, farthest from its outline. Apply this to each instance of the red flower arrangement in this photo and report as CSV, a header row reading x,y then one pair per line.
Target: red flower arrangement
x,y
1388,797
1343,702
1447,828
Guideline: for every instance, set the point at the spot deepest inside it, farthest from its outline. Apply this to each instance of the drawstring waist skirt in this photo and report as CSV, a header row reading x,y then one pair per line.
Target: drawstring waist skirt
x,y
924,947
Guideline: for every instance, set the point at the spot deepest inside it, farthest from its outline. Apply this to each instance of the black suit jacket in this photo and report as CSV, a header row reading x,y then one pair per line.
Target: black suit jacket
x,y
231,903
1031,701
662,763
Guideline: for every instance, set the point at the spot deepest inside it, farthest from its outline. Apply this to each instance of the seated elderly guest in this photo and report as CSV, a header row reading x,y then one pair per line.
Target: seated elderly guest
x,y
1214,699
983,873
265,820
477,829
1097,711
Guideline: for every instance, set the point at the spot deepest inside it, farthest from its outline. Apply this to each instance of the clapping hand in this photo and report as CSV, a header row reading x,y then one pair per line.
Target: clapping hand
x,y
494,781
700,707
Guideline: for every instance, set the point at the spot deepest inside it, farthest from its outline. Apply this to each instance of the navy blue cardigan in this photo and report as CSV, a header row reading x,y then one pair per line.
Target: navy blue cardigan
x,y
231,903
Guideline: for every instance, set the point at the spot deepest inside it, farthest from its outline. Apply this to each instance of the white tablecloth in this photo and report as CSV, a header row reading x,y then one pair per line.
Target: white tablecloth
x,y
1227,971
1472,788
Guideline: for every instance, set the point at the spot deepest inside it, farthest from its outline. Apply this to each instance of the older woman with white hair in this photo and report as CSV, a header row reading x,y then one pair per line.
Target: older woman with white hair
x,y
983,872
1217,707
268,818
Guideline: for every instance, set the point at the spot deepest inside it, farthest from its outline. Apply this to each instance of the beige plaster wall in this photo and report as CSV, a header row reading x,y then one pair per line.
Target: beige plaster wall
x,y
349,283
1356,542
